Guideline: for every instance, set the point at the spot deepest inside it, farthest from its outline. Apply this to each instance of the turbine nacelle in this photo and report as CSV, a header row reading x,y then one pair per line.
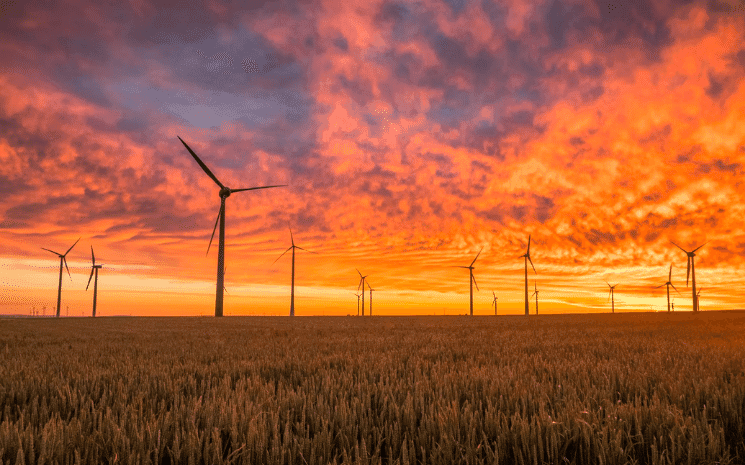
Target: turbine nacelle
x,y
225,192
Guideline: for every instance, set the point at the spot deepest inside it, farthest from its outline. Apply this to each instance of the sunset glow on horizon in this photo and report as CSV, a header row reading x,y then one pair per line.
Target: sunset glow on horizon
x,y
410,136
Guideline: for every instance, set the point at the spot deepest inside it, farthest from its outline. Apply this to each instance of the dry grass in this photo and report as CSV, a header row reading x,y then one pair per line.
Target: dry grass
x,y
612,389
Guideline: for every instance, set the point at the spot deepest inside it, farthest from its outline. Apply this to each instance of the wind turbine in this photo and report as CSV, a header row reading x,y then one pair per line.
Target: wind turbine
x,y
371,289
536,297
668,284
292,291
527,259
358,303
472,280
612,296
362,283
494,302
698,296
691,270
62,260
224,194
94,268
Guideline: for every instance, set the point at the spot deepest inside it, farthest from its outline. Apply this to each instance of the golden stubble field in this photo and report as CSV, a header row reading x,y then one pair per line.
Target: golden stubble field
x,y
615,389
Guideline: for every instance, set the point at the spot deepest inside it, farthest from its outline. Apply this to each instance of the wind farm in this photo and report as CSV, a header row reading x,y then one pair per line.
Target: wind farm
x,y
395,139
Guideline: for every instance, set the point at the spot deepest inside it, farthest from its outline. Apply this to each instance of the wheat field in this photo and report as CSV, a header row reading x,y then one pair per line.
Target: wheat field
x,y
554,389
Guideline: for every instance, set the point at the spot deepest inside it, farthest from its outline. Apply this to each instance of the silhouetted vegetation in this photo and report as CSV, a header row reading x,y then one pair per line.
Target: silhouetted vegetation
x,y
615,389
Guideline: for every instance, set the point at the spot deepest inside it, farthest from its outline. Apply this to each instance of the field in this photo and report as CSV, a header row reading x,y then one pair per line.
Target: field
x,y
612,389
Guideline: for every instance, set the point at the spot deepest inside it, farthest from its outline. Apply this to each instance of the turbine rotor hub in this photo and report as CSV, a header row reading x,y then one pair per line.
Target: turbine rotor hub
x,y
225,192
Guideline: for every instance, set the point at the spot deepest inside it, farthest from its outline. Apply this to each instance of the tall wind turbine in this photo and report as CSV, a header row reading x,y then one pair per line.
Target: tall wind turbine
x,y
527,259
612,296
536,297
292,291
62,260
494,302
472,280
691,270
668,284
362,283
94,268
224,194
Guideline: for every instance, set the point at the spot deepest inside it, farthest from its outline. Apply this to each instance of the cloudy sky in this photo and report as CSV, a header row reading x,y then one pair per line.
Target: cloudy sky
x,y
410,135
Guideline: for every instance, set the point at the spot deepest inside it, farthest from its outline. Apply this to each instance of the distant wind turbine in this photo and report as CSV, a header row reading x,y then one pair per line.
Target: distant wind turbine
x,y
362,283
536,297
358,303
62,260
292,291
224,194
691,271
612,296
494,302
527,259
668,284
698,297
94,268
472,280
371,289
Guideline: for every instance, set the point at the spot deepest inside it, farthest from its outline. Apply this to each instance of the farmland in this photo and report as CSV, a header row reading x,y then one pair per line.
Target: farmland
x,y
615,389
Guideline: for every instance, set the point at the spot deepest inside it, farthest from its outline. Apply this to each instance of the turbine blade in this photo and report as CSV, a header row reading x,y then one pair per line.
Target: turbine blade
x,y
531,264
528,252
201,163
68,269
256,188
670,275
306,250
219,212
360,284
474,282
50,250
89,279
660,286
676,245
675,289
288,249
68,250
358,272
93,257
477,256
688,273
700,246
292,239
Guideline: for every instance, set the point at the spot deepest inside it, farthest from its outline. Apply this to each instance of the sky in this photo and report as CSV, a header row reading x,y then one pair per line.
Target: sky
x,y
411,135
